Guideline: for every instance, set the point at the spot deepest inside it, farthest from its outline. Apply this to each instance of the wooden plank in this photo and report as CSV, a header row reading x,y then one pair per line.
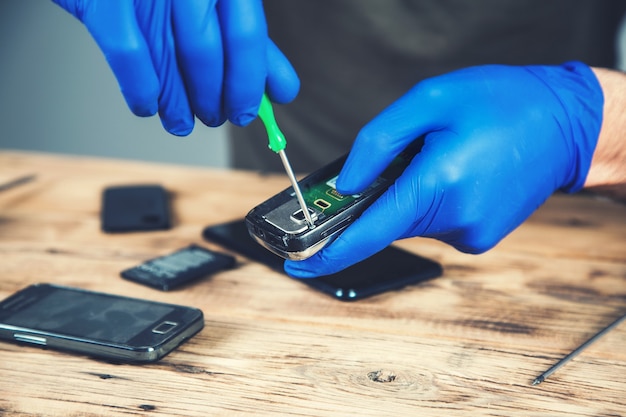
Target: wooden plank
x,y
468,342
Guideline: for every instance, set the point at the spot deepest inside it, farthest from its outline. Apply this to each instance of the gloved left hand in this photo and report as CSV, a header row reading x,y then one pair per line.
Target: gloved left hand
x,y
207,58
498,141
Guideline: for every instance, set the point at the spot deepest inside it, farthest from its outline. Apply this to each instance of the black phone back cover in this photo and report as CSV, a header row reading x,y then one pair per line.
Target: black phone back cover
x,y
390,269
135,208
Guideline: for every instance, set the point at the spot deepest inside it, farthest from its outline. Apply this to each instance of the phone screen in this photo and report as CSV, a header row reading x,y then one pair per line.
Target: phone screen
x,y
92,316
97,324
390,269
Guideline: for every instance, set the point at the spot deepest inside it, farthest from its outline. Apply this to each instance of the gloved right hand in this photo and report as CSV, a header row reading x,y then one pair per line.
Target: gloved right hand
x,y
498,141
207,58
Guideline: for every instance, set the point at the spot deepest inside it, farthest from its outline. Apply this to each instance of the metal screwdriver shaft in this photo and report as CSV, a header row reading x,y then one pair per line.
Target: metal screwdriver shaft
x,y
296,187
576,351
277,143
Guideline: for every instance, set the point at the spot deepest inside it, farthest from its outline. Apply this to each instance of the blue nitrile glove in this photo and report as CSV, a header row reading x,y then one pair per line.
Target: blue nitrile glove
x,y
499,140
208,58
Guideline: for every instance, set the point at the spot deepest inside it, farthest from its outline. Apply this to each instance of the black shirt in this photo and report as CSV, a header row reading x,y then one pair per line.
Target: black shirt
x,y
355,57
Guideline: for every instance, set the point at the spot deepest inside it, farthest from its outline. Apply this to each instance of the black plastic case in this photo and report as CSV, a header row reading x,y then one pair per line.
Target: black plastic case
x,y
134,208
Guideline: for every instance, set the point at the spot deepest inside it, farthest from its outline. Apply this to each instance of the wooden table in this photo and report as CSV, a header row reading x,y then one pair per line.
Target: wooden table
x,y
468,343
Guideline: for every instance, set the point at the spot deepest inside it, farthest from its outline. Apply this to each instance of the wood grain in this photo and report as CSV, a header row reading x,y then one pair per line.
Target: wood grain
x,y
467,343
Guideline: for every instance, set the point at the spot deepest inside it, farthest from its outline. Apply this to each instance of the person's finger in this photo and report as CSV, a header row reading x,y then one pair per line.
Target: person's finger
x,y
201,57
283,83
114,27
422,109
245,39
174,108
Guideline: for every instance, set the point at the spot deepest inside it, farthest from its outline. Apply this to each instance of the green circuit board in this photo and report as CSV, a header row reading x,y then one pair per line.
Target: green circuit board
x,y
325,198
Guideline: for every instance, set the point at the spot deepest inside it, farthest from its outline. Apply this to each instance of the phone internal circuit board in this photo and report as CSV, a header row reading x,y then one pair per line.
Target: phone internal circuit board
x,y
324,196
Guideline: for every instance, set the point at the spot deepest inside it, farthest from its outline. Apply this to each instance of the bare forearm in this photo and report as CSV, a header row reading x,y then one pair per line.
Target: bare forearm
x,y
607,174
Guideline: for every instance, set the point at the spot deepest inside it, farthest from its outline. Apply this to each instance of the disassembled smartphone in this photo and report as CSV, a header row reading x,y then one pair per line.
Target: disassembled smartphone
x,y
279,225
101,325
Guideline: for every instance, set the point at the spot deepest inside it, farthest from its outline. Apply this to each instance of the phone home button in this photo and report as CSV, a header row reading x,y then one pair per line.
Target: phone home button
x,y
164,327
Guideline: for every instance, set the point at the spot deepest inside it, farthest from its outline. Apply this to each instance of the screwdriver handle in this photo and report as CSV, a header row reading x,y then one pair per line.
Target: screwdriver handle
x,y
276,138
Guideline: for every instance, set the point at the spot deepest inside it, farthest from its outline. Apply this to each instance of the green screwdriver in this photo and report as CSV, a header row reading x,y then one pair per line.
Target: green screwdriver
x,y
277,143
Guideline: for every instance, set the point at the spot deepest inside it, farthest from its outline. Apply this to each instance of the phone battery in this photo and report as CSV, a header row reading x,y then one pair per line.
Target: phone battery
x,y
181,267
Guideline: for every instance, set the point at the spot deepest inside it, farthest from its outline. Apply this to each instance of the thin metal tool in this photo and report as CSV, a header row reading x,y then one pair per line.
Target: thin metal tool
x,y
576,351
18,181
277,143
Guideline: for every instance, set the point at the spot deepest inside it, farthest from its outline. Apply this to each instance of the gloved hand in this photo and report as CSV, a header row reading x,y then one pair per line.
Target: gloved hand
x,y
208,58
498,141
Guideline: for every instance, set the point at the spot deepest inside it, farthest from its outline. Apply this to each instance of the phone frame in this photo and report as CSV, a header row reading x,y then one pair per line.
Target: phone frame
x,y
276,224
145,346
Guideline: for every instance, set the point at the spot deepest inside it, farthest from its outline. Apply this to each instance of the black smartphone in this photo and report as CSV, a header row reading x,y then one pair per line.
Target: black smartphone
x,y
279,224
132,208
390,269
106,326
